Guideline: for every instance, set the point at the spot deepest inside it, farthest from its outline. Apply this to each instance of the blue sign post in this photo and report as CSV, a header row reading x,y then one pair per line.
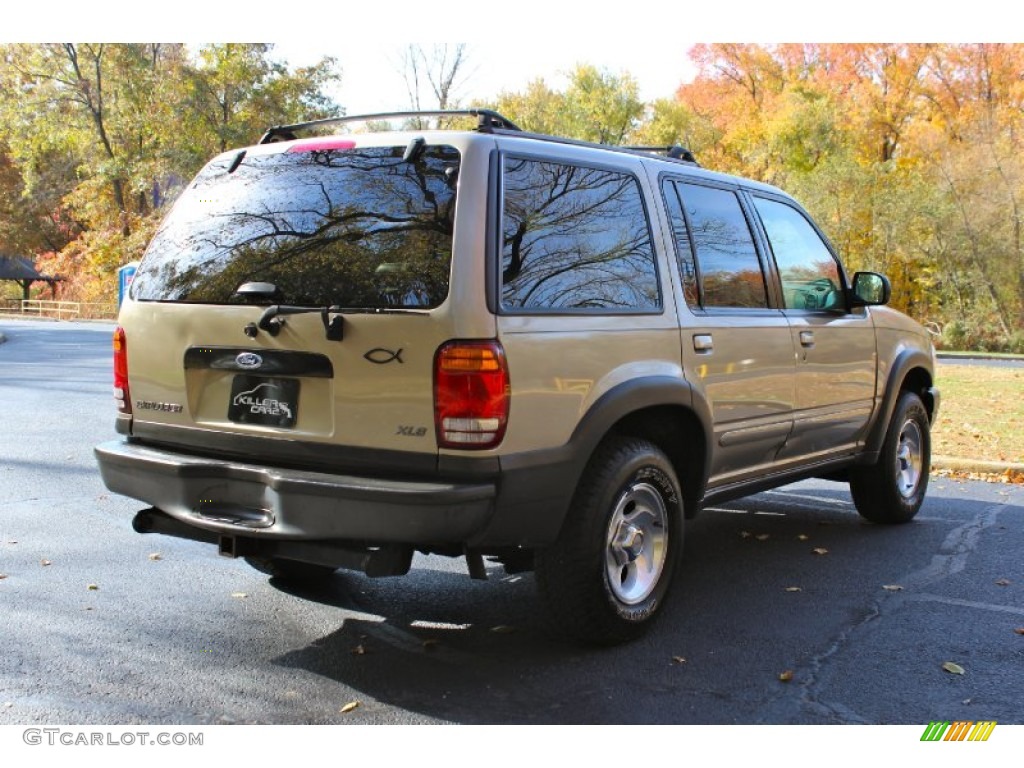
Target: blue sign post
x,y
125,275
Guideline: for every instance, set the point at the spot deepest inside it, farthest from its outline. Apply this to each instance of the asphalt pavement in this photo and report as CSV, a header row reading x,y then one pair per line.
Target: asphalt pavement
x,y
788,608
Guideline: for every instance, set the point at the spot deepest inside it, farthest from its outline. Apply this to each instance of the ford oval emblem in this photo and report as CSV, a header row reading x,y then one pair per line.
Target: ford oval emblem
x,y
249,361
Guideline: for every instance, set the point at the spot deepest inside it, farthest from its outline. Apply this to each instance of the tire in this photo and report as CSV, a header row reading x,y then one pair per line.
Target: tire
x,y
892,490
292,571
605,577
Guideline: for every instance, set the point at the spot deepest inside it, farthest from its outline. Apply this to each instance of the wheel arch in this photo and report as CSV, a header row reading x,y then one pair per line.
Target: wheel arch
x,y
537,488
665,410
911,371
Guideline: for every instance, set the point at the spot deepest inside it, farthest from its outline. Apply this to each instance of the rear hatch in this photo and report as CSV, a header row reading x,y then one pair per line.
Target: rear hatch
x,y
290,306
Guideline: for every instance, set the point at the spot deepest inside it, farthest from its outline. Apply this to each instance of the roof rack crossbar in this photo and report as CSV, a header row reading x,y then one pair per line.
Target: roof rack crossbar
x,y
487,120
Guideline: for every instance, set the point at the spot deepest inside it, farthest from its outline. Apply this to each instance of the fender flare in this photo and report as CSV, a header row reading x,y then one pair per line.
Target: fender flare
x,y
637,395
905,362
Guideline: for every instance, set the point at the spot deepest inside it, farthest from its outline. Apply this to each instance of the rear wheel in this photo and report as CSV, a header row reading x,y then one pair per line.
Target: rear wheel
x,y
604,579
892,490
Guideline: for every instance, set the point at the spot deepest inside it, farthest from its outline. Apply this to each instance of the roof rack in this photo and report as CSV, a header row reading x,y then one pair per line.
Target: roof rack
x,y
487,121
675,152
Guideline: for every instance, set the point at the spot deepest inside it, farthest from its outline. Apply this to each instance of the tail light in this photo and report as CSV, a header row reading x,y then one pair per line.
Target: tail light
x,y
471,394
124,400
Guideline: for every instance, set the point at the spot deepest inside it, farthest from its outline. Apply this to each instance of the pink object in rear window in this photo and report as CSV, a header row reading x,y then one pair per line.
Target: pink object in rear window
x,y
320,144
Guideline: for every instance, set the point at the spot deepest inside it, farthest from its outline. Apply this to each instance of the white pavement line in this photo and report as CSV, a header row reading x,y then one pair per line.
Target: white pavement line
x,y
958,546
926,598
763,513
821,499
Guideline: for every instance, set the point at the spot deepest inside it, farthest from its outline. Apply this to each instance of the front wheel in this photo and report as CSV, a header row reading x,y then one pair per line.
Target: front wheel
x,y
607,574
892,489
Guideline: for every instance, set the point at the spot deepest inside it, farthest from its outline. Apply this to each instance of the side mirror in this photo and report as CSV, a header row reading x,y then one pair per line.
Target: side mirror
x,y
870,289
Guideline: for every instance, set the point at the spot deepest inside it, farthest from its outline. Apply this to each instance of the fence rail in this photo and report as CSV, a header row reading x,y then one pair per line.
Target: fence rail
x,y
60,310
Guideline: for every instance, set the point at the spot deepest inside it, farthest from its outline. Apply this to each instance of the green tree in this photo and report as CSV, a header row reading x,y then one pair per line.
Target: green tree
x,y
597,106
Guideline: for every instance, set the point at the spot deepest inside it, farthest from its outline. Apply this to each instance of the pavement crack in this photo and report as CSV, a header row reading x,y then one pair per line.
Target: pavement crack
x,y
952,557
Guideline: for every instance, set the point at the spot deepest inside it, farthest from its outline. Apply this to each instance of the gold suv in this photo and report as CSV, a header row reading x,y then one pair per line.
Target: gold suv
x,y
343,348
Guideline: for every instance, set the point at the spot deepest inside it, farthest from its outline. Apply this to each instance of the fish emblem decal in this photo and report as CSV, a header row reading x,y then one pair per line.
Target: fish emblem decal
x,y
381,356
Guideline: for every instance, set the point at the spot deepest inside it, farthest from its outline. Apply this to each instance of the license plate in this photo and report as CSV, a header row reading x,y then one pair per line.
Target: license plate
x,y
261,400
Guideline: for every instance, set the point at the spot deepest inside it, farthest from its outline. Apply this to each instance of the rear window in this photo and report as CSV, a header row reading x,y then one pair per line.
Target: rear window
x,y
351,227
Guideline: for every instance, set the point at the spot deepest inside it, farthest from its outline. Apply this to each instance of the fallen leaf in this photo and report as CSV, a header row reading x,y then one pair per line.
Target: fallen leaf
x,y
952,668
820,551
349,707
93,587
803,537
156,556
1003,582
3,576
893,587
786,676
678,660
762,537
359,650
1019,630
45,563
793,589
239,595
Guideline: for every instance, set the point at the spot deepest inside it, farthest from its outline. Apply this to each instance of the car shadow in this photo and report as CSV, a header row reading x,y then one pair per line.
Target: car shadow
x,y
765,585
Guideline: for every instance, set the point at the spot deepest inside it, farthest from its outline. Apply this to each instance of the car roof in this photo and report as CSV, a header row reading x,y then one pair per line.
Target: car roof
x,y
672,159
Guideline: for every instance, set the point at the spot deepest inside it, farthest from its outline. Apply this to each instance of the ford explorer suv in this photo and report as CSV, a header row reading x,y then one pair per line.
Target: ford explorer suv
x,y
342,348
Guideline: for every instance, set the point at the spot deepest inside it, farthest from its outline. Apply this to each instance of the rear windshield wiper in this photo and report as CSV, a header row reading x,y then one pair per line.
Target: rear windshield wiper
x,y
272,319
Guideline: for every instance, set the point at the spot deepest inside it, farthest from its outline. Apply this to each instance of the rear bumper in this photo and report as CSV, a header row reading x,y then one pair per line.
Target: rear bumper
x,y
241,499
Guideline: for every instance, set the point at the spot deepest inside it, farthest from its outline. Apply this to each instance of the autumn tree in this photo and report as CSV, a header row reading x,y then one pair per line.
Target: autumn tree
x,y
134,122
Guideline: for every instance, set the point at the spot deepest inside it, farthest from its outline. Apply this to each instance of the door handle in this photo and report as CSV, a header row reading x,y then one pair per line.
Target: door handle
x,y
807,338
702,342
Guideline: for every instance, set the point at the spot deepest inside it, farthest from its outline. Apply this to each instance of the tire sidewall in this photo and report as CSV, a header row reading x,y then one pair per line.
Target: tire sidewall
x,y
653,469
908,408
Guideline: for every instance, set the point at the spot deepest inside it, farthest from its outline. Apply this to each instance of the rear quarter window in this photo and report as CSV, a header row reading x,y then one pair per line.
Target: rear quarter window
x,y
574,238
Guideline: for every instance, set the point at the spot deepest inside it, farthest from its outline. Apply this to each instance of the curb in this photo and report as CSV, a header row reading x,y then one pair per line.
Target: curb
x,y
952,357
976,465
45,319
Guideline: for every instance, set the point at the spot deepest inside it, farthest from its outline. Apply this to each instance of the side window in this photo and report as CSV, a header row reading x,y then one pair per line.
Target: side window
x,y
727,263
807,269
575,238
684,253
